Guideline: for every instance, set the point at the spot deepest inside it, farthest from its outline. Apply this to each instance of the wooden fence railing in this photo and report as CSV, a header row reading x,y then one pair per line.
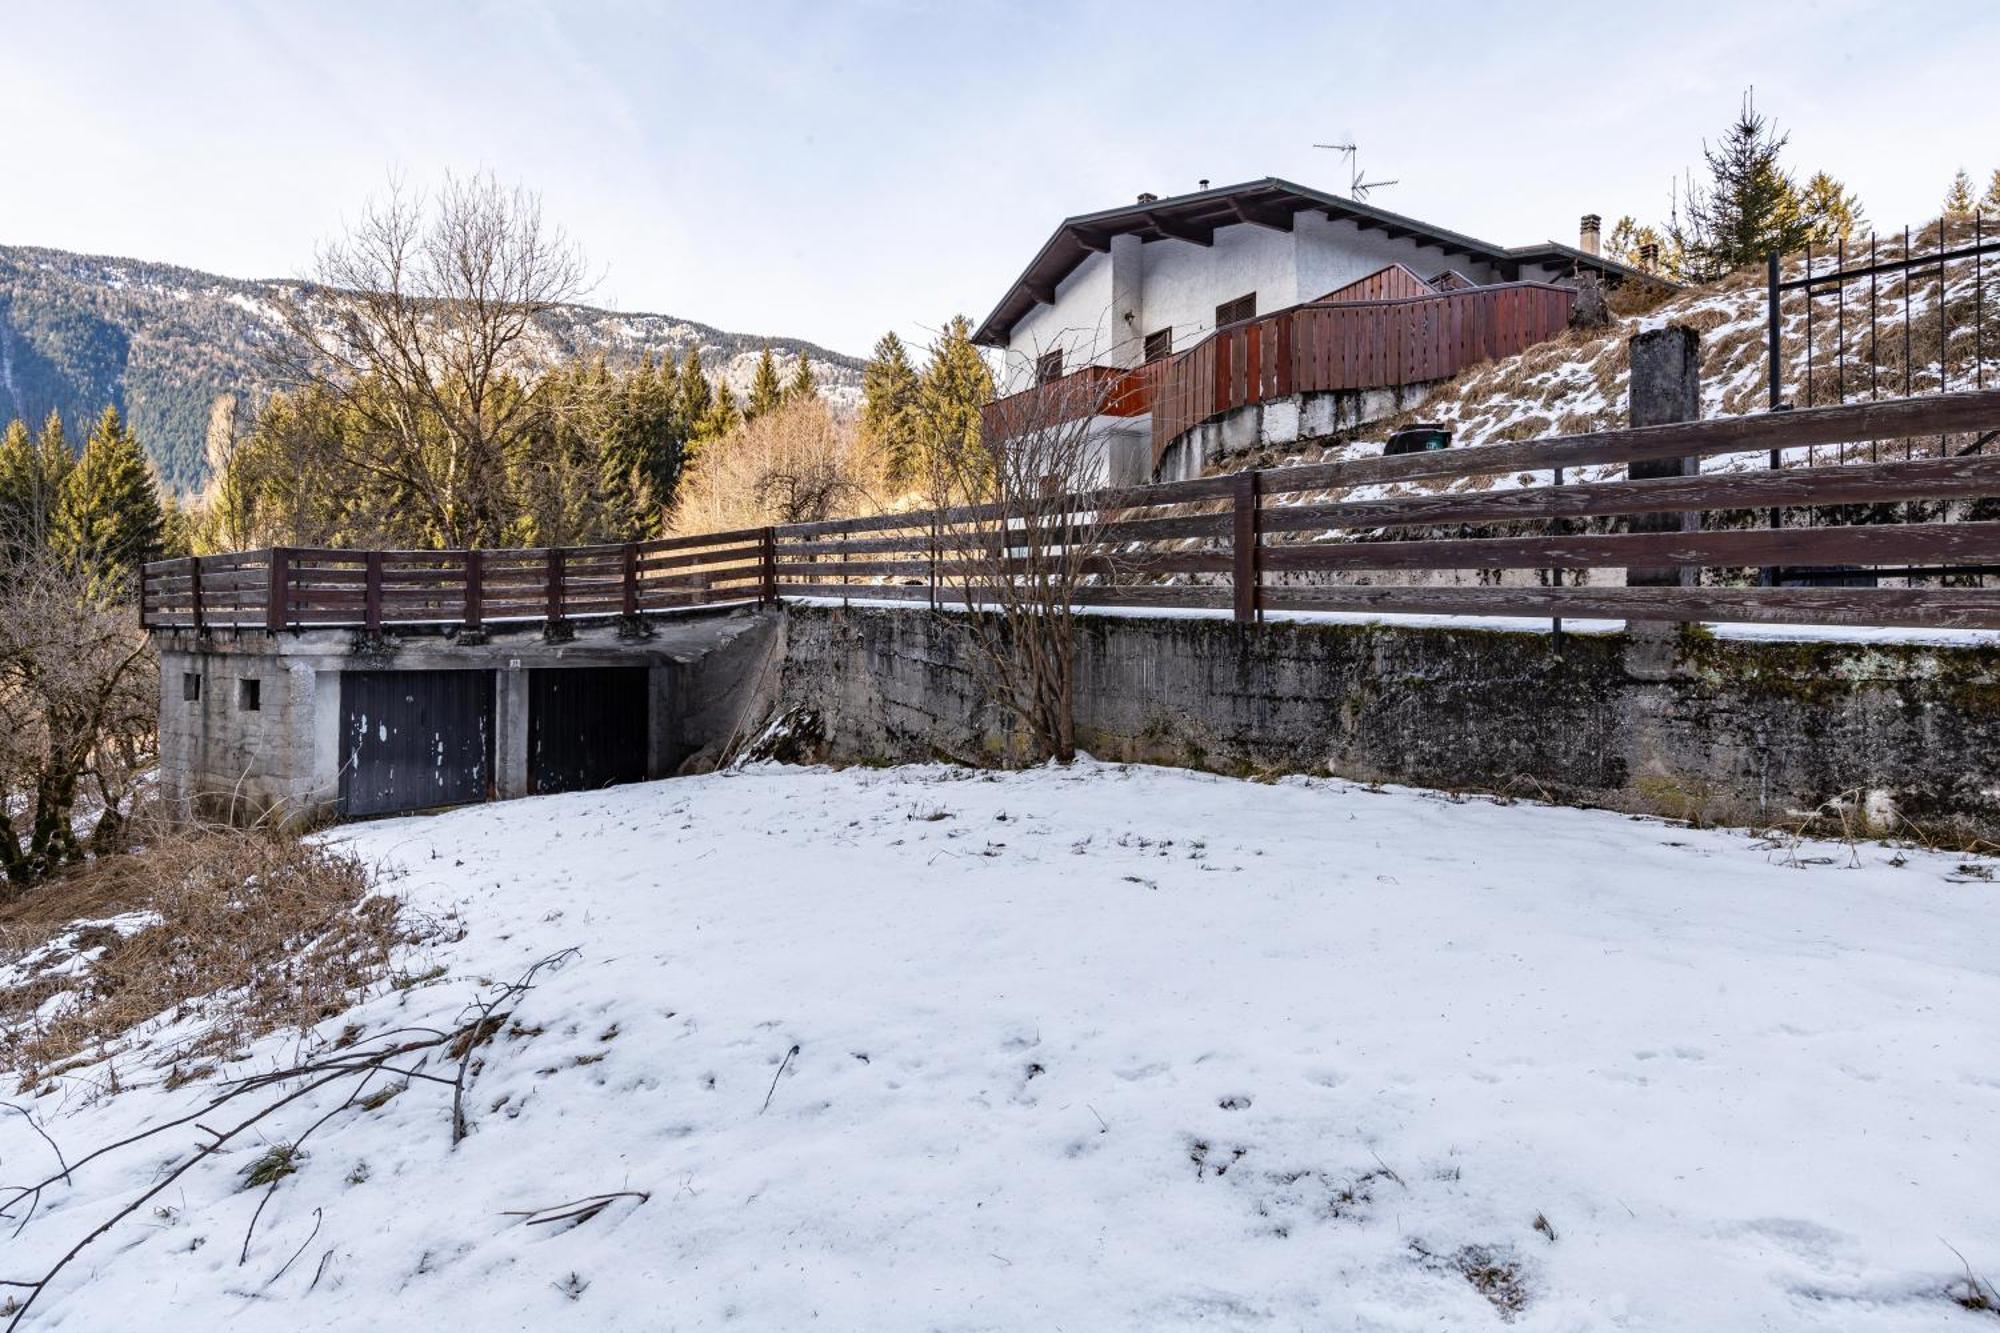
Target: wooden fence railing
x,y
1279,539
1322,346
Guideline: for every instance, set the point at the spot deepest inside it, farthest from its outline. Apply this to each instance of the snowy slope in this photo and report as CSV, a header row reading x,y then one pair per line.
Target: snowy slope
x,y
1106,1049
1580,382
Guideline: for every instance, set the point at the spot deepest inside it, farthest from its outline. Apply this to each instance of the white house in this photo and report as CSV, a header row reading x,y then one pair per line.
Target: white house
x,y
1150,282
1132,284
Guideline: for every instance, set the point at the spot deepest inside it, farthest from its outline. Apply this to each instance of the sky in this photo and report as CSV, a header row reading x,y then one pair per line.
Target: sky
x,y
833,170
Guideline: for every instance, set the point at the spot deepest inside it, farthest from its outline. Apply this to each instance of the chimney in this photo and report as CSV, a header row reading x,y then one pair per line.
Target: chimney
x,y
1587,233
1649,256
1203,182
1149,198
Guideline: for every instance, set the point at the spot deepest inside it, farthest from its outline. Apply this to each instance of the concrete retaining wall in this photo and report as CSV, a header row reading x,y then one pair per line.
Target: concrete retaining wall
x,y
1688,725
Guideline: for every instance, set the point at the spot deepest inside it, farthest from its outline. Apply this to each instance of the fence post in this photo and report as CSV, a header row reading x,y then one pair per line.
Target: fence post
x,y
553,586
631,580
1243,544
373,597
768,562
1666,387
194,591
277,598
475,589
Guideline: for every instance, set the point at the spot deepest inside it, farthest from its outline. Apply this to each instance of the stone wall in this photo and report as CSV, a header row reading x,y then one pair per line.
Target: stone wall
x,y
1726,730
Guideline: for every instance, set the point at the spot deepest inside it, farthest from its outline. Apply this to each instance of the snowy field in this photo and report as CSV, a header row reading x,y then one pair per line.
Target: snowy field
x,y
1105,1049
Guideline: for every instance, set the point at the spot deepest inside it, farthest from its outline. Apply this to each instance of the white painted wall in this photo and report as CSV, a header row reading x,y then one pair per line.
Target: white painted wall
x,y
1079,324
1108,305
1185,282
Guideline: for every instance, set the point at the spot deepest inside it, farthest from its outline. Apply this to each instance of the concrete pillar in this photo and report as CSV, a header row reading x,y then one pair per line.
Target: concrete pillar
x,y
510,731
1665,388
1127,322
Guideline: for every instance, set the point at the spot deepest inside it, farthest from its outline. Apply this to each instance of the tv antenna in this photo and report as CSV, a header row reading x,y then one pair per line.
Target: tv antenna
x,y
1358,185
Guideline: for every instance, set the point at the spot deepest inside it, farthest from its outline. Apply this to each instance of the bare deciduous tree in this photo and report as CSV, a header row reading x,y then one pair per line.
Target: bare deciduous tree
x,y
422,324
1017,538
78,703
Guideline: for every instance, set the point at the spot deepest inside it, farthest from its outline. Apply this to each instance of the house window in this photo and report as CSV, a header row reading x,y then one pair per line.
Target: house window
x,y
190,686
1048,366
249,695
1160,343
1235,312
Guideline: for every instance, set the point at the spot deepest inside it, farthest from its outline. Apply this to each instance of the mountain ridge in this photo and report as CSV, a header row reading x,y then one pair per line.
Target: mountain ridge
x,y
165,343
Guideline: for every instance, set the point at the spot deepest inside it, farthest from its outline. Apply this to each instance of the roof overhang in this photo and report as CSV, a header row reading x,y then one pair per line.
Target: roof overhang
x,y
1195,218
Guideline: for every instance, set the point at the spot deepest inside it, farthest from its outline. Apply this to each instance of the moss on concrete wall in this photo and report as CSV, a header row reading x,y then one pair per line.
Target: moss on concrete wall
x,y
1733,731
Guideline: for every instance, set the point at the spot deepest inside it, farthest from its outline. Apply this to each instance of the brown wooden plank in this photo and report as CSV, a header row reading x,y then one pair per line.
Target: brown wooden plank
x,y
1858,483
1959,543
1957,413
1916,608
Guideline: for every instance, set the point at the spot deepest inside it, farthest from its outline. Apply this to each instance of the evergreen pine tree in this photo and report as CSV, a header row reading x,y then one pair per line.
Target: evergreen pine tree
x,y
1749,208
1958,202
108,518
722,417
1989,203
31,477
695,395
804,383
955,385
889,408
765,390
1831,210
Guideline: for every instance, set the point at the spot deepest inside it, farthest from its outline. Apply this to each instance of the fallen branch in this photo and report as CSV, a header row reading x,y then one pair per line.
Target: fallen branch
x,y
783,1065
358,1063
577,1210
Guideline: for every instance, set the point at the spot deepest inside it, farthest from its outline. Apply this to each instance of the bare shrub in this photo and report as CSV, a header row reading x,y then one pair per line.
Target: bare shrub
x,y
797,463
1015,543
255,931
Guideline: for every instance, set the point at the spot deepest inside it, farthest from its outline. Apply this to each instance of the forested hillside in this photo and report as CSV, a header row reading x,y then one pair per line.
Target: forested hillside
x,y
161,344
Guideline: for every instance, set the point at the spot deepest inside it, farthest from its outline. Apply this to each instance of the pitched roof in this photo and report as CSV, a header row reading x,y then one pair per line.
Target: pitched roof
x,y
1269,202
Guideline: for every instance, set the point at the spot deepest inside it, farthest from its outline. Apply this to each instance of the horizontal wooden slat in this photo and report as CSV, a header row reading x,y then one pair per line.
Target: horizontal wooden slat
x,y
1964,543
1959,608
1861,483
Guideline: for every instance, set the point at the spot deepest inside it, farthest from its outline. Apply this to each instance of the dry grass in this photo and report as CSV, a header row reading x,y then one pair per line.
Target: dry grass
x,y
258,931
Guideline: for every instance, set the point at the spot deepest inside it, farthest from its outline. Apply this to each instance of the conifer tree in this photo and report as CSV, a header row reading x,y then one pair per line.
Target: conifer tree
x,y
1958,202
955,385
804,383
765,390
1749,208
31,477
108,520
696,397
889,408
722,417
1831,210
1989,203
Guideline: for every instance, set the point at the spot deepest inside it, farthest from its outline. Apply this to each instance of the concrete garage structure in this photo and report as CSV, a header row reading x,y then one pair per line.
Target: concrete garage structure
x,y
316,724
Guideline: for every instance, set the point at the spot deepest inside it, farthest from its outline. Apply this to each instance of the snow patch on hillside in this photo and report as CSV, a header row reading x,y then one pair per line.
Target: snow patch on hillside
x,y
1098,1048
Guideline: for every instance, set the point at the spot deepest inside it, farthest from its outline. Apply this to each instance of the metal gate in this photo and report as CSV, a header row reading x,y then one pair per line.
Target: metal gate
x,y
413,740
587,727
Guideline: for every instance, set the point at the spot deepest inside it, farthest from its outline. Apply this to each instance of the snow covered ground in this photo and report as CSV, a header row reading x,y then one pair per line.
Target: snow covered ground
x,y
1099,1049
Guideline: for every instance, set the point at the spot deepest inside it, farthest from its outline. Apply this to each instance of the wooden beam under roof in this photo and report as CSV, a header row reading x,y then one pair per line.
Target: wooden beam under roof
x,y
1091,240
1277,219
1180,231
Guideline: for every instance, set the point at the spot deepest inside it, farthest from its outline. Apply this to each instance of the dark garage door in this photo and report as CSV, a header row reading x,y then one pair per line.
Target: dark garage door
x,y
411,740
587,727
